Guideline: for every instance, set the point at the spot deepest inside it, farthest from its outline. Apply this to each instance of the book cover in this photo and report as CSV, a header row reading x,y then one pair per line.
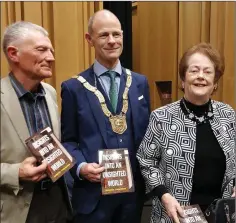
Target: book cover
x,y
192,214
44,145
118,176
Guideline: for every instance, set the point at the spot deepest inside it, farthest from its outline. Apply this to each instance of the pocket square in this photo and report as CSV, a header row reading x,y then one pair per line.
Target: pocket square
x,y
140,97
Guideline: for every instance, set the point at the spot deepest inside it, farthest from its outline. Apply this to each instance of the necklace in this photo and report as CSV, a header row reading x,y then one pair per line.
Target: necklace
x,y
118,122
198,119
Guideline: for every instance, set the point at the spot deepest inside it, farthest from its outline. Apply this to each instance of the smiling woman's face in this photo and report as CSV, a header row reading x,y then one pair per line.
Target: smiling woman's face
x,y
199,79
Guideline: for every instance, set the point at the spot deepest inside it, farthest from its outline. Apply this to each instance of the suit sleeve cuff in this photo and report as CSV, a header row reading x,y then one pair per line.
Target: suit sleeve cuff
x,y
10,176
159,191
78,170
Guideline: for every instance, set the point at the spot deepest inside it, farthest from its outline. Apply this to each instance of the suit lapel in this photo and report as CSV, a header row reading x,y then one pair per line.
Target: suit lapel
x,y
123,78
52,108
218,128
95,106
225,143
12,105
134,105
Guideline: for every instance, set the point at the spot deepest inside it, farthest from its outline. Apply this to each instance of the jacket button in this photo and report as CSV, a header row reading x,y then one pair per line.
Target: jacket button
x,y
153,146
169,152
173,127
27,204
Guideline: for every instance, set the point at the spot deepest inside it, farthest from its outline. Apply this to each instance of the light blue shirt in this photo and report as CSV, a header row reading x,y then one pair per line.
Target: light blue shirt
x,y
104,80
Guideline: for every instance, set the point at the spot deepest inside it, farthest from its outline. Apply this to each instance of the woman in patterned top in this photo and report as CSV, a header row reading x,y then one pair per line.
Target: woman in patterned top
x,y
187,153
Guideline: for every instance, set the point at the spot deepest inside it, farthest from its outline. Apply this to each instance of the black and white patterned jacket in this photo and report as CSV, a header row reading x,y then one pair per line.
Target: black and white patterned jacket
x,y
167,152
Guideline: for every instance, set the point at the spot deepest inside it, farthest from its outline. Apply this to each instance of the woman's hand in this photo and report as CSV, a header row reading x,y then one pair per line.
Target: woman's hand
x,y
233,195
172,207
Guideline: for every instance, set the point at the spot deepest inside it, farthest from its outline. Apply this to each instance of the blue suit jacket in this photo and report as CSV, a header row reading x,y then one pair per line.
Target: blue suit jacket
x,y
84,128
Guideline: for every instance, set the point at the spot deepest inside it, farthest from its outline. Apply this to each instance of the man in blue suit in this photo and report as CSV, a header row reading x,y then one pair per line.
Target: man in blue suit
x,y
87,127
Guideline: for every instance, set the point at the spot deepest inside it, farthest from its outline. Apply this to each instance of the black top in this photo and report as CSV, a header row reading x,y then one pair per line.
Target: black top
x,y
210,162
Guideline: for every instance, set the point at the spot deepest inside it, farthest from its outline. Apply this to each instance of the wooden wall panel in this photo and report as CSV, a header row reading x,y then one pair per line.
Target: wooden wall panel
x,y
205,21
32,11
98,5
193,27
135,40
81,42
85,25
47,23
158,44
229,78
91,50
66,40
4,20
72,53
66,23
10,9
18,12
47,17
217,37
189,25
162,31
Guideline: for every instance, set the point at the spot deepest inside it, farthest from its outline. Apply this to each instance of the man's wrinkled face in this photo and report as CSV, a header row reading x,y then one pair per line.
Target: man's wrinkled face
x,y
35,56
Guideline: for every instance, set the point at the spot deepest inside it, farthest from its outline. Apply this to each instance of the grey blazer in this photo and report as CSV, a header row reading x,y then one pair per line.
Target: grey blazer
x,y
16,197
167,152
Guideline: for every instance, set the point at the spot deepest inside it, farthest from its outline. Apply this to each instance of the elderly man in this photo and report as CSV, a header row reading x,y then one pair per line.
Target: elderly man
x,y
86,125
27,106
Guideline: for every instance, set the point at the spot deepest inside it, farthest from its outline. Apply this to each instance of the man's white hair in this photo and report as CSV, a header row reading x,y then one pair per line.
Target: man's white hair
x,y
18,31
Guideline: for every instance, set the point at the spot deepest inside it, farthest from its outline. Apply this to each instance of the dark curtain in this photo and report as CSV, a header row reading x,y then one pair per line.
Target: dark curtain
x,y
123,11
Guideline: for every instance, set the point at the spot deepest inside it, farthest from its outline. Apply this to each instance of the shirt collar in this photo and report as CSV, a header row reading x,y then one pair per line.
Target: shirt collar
x,y
99,69
21,91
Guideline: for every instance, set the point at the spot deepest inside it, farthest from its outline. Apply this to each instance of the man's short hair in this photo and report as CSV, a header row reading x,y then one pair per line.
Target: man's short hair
x,y
19,30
